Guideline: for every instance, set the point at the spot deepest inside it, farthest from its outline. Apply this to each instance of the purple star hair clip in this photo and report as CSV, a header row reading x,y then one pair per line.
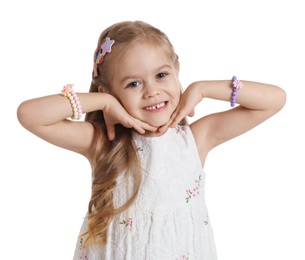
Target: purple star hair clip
x,y
100,53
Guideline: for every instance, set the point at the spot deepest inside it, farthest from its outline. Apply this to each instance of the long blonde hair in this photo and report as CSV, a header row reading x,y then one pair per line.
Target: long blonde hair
x,y
115,158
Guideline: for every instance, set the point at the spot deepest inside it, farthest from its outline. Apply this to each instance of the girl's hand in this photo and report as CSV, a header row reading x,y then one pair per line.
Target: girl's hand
x,y
186,107
162,129
115,113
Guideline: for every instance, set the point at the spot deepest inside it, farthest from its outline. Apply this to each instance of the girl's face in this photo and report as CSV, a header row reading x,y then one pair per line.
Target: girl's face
x,y
146,83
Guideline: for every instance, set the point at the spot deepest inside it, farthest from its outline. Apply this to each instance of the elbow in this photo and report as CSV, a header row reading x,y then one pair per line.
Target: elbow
x,y
280,99
23,115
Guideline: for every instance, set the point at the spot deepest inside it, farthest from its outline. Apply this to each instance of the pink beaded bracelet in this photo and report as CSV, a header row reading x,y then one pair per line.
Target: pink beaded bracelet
x,y
237,85
71,95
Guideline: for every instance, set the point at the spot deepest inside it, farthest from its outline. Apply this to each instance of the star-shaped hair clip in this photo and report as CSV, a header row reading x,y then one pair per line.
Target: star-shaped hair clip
x,y
100,53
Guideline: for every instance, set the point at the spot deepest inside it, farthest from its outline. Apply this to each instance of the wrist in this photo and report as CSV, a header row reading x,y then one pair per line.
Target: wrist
x,y
201,88
216,89
105,100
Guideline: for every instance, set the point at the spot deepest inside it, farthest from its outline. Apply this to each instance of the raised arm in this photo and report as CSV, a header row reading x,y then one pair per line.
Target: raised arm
x,y
257,102
46,118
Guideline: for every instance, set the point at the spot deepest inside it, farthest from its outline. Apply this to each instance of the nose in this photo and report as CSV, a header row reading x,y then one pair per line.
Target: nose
x,y
150,90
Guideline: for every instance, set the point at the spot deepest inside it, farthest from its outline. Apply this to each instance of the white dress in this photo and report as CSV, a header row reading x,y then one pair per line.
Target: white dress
x,y
169,219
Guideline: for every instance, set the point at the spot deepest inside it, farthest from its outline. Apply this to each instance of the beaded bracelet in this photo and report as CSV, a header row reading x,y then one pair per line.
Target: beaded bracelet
x,y
71,95
237,85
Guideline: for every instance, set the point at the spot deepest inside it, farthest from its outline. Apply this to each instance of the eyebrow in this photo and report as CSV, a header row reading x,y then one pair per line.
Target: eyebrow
x,y
136,76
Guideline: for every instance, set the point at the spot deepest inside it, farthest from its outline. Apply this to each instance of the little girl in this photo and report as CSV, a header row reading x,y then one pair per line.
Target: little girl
x,y
147,162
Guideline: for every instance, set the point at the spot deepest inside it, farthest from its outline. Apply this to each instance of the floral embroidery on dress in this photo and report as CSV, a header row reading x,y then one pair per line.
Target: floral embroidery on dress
x,y
193,192
127,223
180,128
206,221
140,149
83,250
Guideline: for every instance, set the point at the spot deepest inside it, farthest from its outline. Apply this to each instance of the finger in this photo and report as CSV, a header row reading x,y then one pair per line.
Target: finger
x,y
171,120
139,129
192,113
149,127
138,124
162,129
110,131
127,122
180,115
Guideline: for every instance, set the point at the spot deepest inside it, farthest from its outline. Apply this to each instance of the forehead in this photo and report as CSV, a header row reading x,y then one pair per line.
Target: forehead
x,y
144,55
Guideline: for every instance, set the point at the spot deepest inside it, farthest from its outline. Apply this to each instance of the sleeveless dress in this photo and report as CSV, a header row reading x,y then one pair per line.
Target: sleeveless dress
x,y
169,218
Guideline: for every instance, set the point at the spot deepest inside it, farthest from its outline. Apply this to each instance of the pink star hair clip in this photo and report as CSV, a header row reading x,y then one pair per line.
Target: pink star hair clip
x,y
100,53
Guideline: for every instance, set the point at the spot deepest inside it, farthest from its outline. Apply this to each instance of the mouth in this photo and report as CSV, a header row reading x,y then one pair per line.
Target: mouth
x,y
156,107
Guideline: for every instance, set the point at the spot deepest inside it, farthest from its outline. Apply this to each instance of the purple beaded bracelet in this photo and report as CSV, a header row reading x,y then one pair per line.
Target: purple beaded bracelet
x,y
237,84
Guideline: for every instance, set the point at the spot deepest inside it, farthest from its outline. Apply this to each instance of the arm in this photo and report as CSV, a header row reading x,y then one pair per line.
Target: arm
x,y
46,118
257,102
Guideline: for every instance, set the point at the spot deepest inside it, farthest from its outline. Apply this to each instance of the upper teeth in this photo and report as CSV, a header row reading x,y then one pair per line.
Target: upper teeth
x,y
162,104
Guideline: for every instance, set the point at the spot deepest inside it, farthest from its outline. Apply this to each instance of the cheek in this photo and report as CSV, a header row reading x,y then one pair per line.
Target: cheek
x,y
177,96
176,103
123,99
128,103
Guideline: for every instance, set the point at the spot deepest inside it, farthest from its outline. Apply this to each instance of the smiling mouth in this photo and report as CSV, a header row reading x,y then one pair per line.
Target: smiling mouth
x,y
155,107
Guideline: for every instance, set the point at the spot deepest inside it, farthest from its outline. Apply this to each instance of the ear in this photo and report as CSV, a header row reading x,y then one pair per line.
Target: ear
x,y
102,89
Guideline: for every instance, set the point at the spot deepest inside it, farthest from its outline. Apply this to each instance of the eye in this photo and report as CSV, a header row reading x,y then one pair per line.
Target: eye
x,y
161,75
133,84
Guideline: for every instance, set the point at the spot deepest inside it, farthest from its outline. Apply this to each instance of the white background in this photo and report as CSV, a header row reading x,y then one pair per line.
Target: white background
x,y
255,183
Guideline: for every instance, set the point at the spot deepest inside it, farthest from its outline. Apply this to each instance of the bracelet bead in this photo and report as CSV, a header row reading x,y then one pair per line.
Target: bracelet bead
x,y
237,85
74,101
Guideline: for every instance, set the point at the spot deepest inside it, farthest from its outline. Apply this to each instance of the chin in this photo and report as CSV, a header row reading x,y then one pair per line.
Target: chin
x,y
155,121
158,124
